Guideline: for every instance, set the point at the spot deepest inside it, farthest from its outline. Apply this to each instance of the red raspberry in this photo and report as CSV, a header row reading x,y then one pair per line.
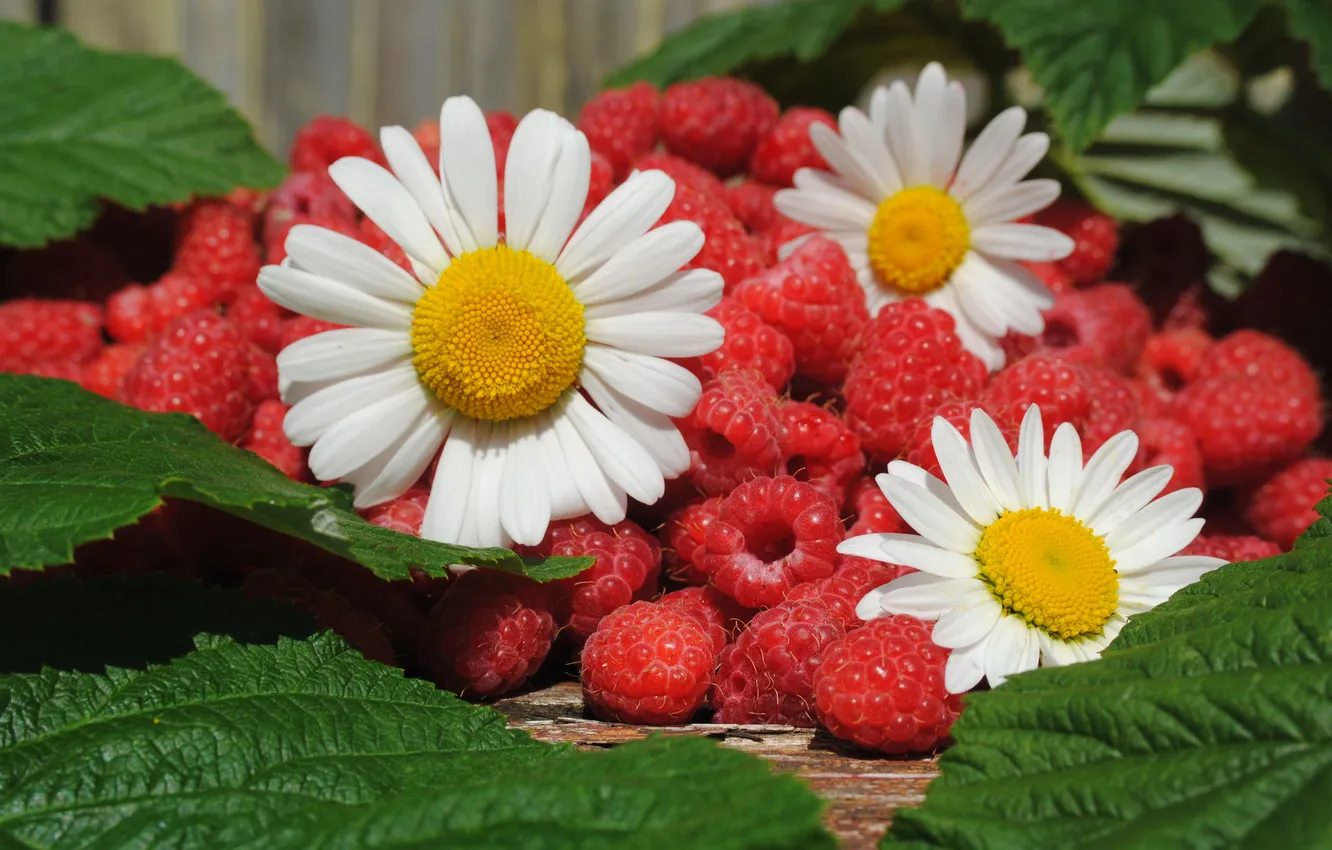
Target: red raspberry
x,y
326,139
911,362
683,536
489,634
275,237
842,591
628,562
1232,549
63,370
814,298
733,433
771,535
1283,507
751,201
217,248
729,250
882,688
750,343
920,447
601,180
1258,355
137,313
1060,388
718,613
781,231
621,124
1170,361
786,148
106,373
300,327
259,320
1247,426
1190,310
716,122
502,125
403,514
199,365
1166,441
1104,325
1051,274
648,663
371,234
267,439
820,448
262,375
1112,406
34,331
874,513
684,173
426,134
1095,238
767,675
311,194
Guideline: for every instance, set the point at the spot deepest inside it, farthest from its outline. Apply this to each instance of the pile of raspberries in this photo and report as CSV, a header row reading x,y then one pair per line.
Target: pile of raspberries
x,y
727,599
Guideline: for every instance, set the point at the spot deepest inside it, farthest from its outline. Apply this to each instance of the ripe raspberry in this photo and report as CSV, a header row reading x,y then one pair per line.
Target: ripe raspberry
x,y
767,675
750,343
601,180
648,663
683,536
628,562
502,124
874,513
489,633
267,439
1283,507
1170,360
200,366
1190,310
63,370
729,250
275,237
1246,427
820,448
715,122
136,313
106,373
258,319
910,362
217,248
733,433
919,448
621,124
718,613
1232,549
326,139
1095,238
1258,355
1166,441
403,514
1051,274
262,375
813,297
882,687
786,148
842,591
684,173
751,201
33,331
305,193
426,134
1058,386
1104,325
771,535
302,326
781,231
1112,407
371,234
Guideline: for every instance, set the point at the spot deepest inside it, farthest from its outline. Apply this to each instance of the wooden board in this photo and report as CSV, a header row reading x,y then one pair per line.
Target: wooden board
x,y
862,790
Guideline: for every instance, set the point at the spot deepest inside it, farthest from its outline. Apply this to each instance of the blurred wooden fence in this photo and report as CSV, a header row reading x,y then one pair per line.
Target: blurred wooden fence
x,y
381,61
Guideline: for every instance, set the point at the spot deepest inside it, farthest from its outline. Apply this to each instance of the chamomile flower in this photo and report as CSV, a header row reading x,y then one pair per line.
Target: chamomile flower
x,y
534,355
917,218
1038,560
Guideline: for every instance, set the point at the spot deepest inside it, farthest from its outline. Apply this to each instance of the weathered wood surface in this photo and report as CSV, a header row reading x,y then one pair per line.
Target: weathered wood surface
x,y
862,791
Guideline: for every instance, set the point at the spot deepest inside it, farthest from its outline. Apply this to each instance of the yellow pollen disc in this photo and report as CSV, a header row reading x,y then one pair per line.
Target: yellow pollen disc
x,y
1050,570
500,336
918,237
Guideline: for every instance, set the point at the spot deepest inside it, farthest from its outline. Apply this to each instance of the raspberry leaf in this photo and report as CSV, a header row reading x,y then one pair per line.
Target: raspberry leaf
x,y
83,125
1205,723
306,744
74,467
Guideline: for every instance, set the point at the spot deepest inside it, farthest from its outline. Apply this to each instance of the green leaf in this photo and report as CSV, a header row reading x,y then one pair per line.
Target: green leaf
x,y
1311,20
1097,59
1206,724
720,44
74,467
306,744
82,125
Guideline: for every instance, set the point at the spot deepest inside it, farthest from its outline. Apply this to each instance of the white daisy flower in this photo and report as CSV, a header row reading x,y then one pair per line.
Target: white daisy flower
x,y
915,222
534,356
1038,560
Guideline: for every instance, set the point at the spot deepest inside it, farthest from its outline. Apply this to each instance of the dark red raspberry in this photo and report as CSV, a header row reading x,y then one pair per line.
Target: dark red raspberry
x,y
1059,387
684,173
842,591
1104,325
683,536
1170,360
302,326
1095,238
106,374
217,248
621,124
1232,549
814,298
258,319
489,633
1168,442
910,363
820,448
1112,407
648,663
716,122
403,514
786,148
1283,507
1258,355
304,195
734,432
330,609
502,124
267,439
718,613
601,180
729,250
200,365
327,139
751,202
882,688
920,446
33,331
771,535
750,343
78,269
767,675
626,567
137,313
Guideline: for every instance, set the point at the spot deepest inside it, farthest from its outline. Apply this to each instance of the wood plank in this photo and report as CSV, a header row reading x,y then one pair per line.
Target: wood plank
x,y
223,41
18,10
308,72
144,25
862,790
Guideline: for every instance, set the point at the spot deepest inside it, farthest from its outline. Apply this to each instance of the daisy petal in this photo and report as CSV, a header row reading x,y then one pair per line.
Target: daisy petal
x,y
313,415
524,496
657,384
529,172
386,202
922,595
626,214
1007,650
604,499
453,484
966,667
988,152
565,500
834,211
918,476
359,438
483,527
959,469
413,170
692,291
1009,203
900,131
659,334
909,550
655,431
946,147
1103,473
968,623
467,167
1156,546
985,347
1175,572
1129,498
1031,460
931,87
929,516
344,260
1055,652
622,458
568,194
321,298
981,304
995,460
1022,242
642,263
866,144
1065,467
342,353
394,472
1026,153
1170,509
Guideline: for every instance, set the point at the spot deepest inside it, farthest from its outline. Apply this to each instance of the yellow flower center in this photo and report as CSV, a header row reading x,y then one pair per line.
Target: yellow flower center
x,y
1050,570
918,237
500,336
